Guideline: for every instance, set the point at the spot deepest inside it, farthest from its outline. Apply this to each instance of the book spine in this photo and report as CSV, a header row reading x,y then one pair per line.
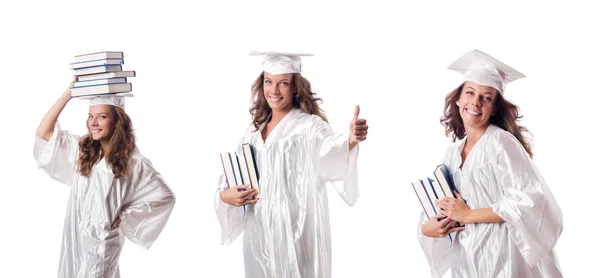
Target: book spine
x,y
430,194
244,169
98,82
252,167
236,168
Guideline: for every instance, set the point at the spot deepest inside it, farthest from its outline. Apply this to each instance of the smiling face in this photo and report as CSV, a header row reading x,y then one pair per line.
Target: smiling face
x,y
101,122
476,105
279,91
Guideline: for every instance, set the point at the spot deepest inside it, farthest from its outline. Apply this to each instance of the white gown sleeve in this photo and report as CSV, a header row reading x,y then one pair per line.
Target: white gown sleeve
x,y
337,165
148,207
57,157
231,218
438,251
531,213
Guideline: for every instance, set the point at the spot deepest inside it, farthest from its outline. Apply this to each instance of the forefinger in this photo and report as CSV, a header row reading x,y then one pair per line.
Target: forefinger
x,y
247,192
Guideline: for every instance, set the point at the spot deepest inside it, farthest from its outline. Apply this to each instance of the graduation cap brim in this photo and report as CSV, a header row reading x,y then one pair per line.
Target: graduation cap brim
x,y
477,57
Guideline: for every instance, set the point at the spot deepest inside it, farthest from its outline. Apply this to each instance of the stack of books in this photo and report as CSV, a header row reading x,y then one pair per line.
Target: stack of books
x,y
241,168
429,190
100,73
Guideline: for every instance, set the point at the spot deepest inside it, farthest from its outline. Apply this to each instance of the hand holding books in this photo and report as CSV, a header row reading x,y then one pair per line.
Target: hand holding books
x,y
440,228
67,92
239,195
241,177
454,208
435,196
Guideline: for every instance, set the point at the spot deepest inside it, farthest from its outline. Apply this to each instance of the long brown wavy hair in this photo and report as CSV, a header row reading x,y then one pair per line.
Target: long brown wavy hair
x,y
304,98
122,145
506,116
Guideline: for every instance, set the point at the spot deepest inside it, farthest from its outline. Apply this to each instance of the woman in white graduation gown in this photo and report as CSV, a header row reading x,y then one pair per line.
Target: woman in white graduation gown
x,y
115,190
512,220
286,230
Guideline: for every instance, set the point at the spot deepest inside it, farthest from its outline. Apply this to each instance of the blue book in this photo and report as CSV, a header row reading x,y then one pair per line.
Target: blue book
x,y
442,175
430,193
97,82
95,63
430,186
428,206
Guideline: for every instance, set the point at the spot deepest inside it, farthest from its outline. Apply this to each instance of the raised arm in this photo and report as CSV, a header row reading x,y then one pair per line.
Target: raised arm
x,y
46,127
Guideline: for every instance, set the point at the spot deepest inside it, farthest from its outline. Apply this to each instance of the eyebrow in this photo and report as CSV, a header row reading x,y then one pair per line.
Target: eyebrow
x,y
469,87
282,80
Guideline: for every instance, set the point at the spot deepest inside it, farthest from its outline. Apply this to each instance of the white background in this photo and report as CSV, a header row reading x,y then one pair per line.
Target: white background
x,y
192,99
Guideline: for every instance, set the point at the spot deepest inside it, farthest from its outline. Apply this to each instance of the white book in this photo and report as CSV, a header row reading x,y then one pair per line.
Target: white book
x,y
252,167
124,94
98,69
439,192
95,82
236,169
98,56
101,89
423,199
244,169
102,62
442,175
430,194
227,169
107,75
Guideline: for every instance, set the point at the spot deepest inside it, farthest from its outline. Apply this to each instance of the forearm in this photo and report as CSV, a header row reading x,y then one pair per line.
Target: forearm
x,y
46,127
485,215
351,144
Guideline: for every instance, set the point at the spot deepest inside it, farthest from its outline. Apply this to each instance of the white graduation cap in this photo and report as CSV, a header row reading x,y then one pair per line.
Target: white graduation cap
x,y
485,70
117,99
281,62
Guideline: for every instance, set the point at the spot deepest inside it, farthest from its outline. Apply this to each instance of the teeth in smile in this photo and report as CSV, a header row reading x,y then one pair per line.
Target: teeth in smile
x,y
473,112
275,98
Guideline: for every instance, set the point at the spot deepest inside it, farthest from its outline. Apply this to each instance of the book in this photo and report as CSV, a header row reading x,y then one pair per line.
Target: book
x,y
101,89
95,63
106,75
444,182
227,170
244,169
424,199
252,167
235,164
124,94
95,82
442,175
98,56
231,170
427,196
437,189
430,193
98,69
441,186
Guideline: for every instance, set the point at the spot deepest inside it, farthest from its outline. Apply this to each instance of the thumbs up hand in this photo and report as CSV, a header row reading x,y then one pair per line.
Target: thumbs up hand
x,y
358,129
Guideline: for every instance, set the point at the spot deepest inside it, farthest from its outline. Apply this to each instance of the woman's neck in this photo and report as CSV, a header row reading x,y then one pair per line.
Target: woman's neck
x,y
473,134
278,115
